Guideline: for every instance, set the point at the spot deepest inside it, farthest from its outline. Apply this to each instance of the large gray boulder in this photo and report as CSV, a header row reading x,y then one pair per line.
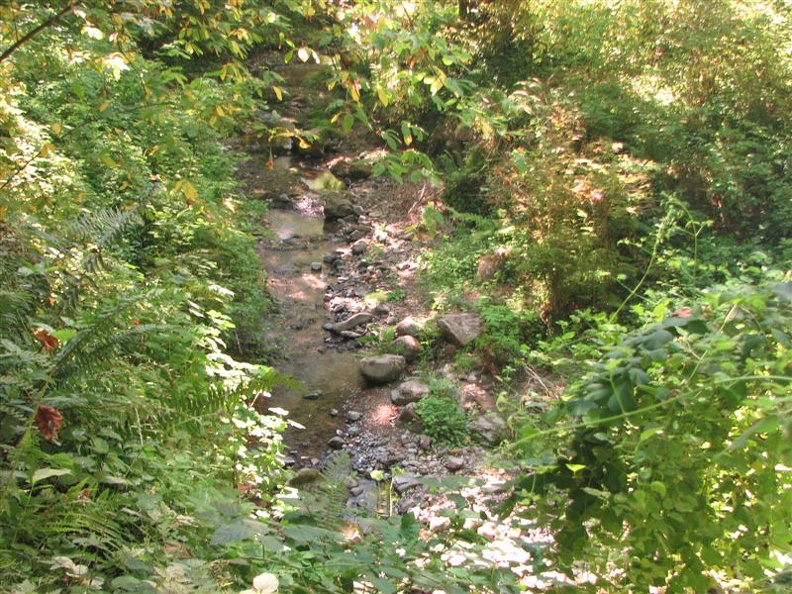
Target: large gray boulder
x,y
382,369
461,329
409,391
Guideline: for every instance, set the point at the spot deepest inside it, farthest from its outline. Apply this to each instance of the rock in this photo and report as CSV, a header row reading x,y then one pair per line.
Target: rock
x,y
349,335
408,416
408,346
424,442
359,248
333,412
316,266
351,322
460,329
409,391
455,463
490,427
354,416
404,482
315,395
335,443
354,431
306,476
490,264
338,207
382,369
408,327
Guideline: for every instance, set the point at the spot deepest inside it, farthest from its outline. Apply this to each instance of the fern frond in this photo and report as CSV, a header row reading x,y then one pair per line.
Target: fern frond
x,y
96,232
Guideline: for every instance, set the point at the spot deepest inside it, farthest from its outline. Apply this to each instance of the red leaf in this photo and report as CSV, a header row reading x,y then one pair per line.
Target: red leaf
x,y
49,421
47,340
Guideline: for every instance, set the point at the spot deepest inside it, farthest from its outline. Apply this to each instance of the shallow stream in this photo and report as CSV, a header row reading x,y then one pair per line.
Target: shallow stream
x,y
329,377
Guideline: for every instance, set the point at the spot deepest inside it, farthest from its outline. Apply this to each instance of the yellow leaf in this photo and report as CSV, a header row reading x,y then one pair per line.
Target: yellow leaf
x,y
46,150
57,128
278,92
104,105
353,91
189,191
107,160
382,96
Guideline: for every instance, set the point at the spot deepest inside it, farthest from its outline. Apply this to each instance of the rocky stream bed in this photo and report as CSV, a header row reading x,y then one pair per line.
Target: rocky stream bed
x,y
341,251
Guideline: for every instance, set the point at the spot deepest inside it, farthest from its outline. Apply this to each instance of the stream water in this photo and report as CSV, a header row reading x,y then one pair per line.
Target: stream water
x,y
328,377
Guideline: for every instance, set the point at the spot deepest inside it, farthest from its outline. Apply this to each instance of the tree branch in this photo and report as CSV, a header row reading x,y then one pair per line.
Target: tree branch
x,y
26,37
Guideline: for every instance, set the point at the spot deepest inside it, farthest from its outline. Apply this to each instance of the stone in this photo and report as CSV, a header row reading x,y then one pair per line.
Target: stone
x,y
424,442
335,443
382,369
354,416
408,346
408,327
316,266
409,391
490,427
315,395
489,265
461,329
352,321
454,463
306,476
408,416
337,207
359,247
404,482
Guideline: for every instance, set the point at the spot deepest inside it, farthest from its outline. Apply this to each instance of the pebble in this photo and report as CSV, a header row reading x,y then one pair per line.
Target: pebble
x,y
353,416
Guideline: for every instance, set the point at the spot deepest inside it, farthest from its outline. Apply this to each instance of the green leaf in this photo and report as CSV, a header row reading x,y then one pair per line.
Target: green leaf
x,y
45,473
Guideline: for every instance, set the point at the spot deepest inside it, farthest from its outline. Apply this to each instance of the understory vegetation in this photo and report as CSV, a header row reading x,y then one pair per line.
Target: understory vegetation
x,y
616,206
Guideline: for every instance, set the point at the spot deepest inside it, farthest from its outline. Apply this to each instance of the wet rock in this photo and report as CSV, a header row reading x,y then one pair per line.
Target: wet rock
x,y
382,369
408,327
408,346
315,395
409,391
460,329
351,322
335,443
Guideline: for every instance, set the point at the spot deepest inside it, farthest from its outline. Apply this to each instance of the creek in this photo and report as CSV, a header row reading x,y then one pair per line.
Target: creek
x,y
299,280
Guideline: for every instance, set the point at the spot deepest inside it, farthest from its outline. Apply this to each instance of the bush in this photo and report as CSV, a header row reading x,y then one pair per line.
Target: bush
x,y
442,417
670,455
